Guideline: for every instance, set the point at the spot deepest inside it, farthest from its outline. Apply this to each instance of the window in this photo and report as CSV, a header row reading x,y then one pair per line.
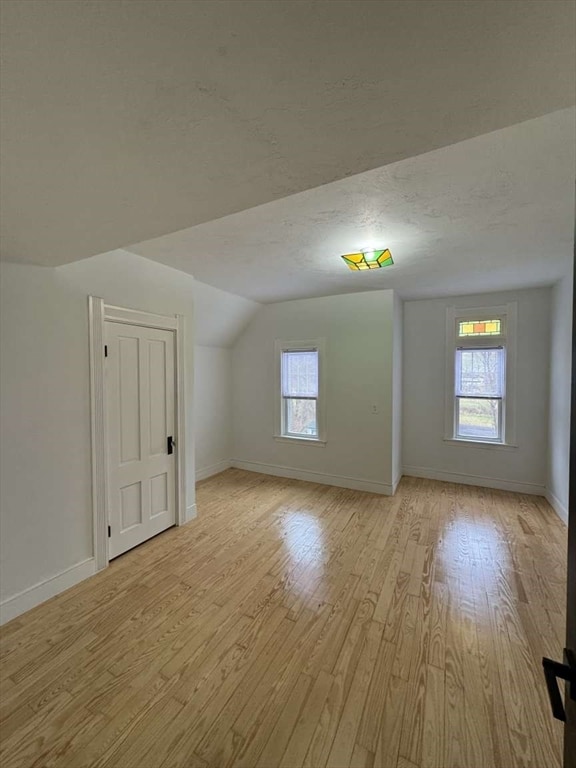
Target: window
x,y
480,375
300,402
479,393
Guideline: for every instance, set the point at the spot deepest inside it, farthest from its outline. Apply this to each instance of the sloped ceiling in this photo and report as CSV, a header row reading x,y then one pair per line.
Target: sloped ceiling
x,y
487,214
125,120
123,278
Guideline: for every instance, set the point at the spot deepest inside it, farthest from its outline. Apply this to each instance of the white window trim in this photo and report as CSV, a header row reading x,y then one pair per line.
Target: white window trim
x,y
285,346
509,313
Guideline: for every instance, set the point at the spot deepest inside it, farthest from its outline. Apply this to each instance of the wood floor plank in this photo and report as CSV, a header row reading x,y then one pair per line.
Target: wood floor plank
x,y
303,732
345,738
280,734
294,624
433,727
388,744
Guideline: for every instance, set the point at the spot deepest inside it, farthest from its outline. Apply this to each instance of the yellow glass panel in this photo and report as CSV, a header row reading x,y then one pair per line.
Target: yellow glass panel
x,y
350,262
479,327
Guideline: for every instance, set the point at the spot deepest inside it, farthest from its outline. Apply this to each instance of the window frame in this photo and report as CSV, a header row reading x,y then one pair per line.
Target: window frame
x,y
458,396
507,313
280,433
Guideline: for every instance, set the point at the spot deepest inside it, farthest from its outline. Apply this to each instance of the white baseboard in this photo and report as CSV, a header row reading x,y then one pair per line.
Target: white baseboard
x,y
191,512
339,481
39,593
557,506
213,469
395,484
480,480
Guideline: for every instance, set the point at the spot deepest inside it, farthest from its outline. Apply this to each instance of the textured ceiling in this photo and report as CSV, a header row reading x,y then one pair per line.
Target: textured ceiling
x,y
486,214
124,120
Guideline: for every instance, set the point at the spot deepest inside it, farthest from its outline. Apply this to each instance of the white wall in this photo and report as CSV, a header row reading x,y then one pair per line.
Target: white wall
x,y
46,514
212,409
560,392
425,452
359,350
45,503
219,318
397,374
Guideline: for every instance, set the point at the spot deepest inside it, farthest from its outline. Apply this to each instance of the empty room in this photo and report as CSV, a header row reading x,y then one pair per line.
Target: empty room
x,y
286,384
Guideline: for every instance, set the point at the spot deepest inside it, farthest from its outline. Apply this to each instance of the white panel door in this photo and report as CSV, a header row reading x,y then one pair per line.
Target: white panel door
x,y
140,388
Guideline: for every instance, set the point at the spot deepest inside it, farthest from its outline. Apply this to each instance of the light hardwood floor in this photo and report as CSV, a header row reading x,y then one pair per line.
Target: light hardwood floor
x,y
295,624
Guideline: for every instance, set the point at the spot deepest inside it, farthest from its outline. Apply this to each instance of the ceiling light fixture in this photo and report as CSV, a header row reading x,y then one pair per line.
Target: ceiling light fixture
x,y
368,259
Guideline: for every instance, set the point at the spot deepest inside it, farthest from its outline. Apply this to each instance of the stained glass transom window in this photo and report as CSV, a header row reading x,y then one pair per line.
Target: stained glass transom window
x,y
479,328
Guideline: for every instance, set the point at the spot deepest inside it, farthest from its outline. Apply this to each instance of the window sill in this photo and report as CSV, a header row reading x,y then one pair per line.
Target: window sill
x,y
481,444
301,440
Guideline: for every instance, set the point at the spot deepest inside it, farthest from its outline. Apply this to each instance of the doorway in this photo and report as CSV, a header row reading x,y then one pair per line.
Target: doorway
x,y
138,426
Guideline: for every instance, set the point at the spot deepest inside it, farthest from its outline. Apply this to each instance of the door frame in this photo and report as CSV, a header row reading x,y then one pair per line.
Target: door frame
x,y
98,313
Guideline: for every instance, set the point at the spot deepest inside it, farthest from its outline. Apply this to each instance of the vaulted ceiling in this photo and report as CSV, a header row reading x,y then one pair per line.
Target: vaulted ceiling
x,y
124,121
486,214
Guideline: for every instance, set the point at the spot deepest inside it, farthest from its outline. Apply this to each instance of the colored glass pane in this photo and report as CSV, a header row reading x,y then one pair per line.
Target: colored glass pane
x,y
368,260
352,264
385,259
479,328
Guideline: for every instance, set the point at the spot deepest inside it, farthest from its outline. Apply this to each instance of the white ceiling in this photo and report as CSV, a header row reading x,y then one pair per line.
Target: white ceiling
x,y
487,214
127,120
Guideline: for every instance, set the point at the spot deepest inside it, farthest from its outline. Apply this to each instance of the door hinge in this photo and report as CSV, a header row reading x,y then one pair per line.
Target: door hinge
x,y
109,532
105,350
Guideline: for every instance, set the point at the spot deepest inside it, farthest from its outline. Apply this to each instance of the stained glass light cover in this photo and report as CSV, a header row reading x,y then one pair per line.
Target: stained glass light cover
x,y
368,259
479,328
